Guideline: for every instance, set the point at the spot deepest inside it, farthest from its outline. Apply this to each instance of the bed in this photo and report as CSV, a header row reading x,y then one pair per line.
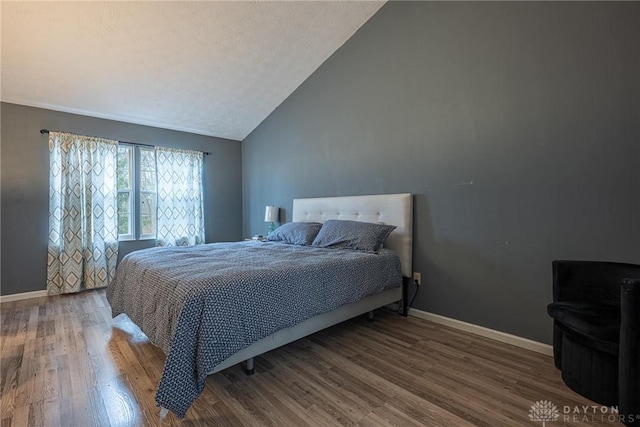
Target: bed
x,y
210,307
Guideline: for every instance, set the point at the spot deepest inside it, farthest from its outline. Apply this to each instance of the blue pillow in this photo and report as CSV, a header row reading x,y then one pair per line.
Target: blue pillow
x,y
360,236
295,233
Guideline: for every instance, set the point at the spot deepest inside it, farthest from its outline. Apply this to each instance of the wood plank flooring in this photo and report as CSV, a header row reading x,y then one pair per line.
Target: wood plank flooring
x,y
65,362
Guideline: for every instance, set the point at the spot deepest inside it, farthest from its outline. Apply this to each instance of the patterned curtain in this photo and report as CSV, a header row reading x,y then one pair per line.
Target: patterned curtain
x,y
180,217
83,226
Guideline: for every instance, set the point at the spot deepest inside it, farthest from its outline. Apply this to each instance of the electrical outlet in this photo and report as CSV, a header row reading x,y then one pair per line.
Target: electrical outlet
x,y
417,278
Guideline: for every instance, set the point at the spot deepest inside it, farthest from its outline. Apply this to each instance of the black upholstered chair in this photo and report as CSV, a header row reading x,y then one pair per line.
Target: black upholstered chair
x,y
596,332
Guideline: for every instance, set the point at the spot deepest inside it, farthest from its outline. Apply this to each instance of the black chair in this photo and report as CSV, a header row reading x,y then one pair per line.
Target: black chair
x,y
596,332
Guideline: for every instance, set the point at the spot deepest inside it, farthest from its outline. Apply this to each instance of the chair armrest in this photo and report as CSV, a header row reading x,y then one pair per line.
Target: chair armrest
x,y
595,282
629,359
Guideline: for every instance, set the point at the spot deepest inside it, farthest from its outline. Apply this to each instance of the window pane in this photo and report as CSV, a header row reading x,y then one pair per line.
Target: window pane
x,y
123,224
123,202
148,213
147,170
124,217
124,168
148,225
147,159
147,181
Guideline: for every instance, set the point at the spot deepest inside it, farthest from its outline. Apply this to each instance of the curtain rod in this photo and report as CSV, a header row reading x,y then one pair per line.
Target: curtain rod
x,y
206,153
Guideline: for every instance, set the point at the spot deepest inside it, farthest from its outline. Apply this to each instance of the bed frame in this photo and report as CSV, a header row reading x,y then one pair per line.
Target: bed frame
x,y
393,209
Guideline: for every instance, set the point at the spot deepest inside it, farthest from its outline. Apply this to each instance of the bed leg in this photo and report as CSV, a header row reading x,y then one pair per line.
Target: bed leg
x,y
370,316
249,370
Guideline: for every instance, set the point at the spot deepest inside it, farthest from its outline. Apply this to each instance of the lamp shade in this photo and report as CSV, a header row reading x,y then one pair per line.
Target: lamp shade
x,y
271,214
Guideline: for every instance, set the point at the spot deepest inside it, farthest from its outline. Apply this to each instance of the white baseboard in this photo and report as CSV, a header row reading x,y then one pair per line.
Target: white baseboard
x,y
24,295
517,341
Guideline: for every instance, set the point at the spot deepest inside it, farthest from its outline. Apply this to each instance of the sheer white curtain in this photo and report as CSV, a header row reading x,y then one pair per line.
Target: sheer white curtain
x,y
83,226
180,208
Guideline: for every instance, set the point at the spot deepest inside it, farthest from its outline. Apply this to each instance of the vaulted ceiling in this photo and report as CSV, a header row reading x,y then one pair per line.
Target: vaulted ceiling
x,y
212,68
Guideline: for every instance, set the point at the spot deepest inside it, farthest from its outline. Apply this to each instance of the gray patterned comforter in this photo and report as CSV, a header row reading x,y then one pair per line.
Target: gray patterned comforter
x,y
201,304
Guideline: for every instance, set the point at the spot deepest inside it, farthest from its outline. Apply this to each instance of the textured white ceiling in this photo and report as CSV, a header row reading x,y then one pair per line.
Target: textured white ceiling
x,y
213,68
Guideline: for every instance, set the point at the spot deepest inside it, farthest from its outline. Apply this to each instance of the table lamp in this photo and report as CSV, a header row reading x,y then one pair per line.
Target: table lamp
x,y
271,215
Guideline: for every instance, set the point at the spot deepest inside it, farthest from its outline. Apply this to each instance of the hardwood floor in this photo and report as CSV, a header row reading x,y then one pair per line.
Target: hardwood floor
x,y
65,362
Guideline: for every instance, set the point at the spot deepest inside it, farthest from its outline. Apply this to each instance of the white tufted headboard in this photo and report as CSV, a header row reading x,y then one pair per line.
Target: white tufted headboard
x,y
393,209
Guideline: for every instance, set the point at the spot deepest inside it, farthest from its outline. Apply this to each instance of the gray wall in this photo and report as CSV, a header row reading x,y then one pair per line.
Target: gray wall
x,y
25,181
516,125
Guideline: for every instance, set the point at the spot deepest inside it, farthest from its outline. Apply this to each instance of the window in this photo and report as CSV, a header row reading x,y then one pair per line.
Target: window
x,y
136,209
125,192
